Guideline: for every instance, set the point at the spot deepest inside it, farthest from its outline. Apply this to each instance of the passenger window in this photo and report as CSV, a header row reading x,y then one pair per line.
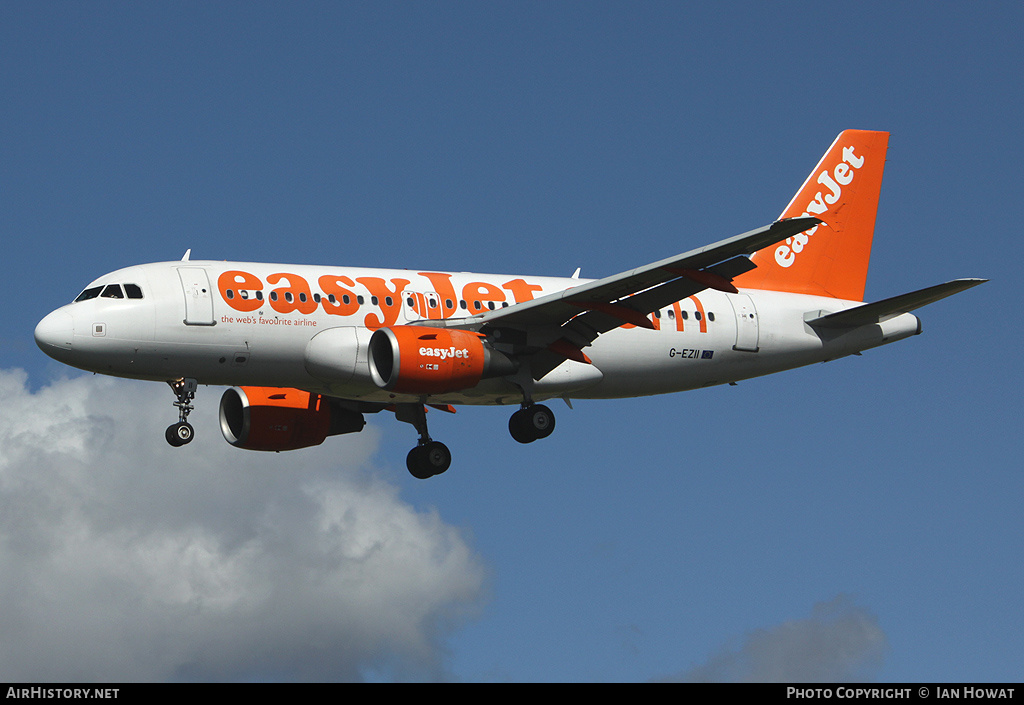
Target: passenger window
x,y
711,316
133,291
112,291
89,294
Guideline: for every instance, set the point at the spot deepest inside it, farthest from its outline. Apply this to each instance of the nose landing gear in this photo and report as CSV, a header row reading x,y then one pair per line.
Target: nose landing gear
x,y
180,433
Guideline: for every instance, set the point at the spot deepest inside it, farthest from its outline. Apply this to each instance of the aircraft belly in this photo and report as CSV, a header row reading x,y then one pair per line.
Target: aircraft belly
x,y
638,362
213,355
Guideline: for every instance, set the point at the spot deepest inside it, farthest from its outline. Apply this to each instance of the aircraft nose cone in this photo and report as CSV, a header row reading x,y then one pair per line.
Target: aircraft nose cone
x,y
55,333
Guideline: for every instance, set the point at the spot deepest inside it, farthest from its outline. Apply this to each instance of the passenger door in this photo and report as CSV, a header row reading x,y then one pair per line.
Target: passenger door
x,y
746,323
198,298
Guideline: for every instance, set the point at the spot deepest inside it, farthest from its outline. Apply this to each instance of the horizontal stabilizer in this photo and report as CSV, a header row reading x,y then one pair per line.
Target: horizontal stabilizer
x,y
887,308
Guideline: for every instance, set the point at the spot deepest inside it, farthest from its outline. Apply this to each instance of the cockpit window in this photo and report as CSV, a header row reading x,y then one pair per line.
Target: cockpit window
x,y
89,294
111,291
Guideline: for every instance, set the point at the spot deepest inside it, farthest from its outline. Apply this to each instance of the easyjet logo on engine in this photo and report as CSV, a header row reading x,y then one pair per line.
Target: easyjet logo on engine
x,y
444,353
841,175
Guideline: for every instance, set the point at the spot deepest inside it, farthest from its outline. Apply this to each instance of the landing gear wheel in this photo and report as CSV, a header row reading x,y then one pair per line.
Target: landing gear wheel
x,y
182,432
518,426
179,434
542,420
532,423
429,459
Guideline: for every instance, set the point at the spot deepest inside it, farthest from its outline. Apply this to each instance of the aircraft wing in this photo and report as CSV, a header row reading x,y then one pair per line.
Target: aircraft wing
x,y
555,327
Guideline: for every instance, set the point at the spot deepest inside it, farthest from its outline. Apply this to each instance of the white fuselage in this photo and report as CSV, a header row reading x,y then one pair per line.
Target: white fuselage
x,y
307,327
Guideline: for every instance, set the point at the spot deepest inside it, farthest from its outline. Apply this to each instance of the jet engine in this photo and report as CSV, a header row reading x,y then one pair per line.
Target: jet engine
x,y
269,418
424,360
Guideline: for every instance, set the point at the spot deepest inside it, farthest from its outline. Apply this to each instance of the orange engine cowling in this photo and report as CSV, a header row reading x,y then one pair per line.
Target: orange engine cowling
x,y
424,360
270,418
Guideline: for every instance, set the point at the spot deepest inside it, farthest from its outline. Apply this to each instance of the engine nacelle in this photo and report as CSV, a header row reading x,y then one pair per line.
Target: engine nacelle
x,y
269,418
424,360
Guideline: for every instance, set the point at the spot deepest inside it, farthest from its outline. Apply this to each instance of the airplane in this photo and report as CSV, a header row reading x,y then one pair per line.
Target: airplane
x,y
307,351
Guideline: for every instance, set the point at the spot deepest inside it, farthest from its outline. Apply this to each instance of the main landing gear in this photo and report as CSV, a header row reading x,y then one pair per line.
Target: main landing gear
x,y
180,433
531,423
429,457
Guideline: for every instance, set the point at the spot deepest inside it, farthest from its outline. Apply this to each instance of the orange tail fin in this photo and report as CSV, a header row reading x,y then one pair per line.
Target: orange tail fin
x,y
831,259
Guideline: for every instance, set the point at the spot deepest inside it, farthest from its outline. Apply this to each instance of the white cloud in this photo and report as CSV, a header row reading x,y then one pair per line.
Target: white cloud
x,y
125,559
839,642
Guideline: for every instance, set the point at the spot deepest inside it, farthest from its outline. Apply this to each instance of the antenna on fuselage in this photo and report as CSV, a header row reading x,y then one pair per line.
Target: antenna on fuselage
x,y
188,253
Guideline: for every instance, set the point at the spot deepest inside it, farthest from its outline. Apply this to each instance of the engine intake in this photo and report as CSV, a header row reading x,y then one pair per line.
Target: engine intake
x,y
423,360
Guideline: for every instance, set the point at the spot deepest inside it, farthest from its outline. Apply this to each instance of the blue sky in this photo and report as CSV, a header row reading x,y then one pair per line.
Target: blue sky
x,y
739,532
